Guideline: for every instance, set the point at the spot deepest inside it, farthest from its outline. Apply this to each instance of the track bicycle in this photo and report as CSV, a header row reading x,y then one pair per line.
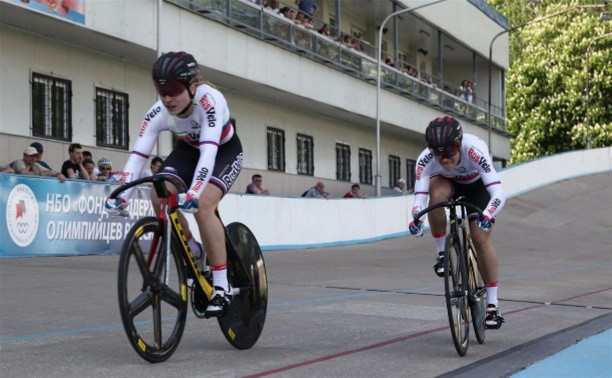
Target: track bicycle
x,y
463,285
157,271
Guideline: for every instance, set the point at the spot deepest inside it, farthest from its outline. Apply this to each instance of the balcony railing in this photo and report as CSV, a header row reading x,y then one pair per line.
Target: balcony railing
x,y
252,19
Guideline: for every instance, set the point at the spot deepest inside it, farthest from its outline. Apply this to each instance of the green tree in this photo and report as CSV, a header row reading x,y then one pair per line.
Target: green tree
x,y
546,82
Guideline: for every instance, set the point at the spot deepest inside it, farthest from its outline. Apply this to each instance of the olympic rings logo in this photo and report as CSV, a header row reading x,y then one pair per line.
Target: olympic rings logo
x,y
22,227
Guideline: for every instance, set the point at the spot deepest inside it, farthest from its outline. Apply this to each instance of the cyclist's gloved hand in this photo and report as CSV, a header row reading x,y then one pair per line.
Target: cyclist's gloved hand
x,y
188,202
416,229
484,224
116,206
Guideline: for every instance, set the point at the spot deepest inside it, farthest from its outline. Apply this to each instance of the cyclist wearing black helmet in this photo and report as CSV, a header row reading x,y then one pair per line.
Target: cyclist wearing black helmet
x,y
456,164
208,152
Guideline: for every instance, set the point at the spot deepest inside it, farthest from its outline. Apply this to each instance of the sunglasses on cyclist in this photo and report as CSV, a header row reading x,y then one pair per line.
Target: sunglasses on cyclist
x,y
446,152
170,88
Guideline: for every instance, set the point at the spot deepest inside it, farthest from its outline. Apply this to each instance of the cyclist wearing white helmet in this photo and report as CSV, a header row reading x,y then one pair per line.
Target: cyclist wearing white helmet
x,y
208,152
455,164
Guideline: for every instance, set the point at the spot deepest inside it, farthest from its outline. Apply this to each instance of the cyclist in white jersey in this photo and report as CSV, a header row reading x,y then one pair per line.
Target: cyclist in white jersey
x,y
456,164
208,152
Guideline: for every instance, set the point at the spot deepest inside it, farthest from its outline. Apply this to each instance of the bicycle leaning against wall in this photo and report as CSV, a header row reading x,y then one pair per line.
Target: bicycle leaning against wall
x,y
158,271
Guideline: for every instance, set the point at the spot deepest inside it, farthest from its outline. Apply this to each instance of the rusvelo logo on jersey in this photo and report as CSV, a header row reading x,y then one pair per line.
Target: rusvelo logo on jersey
x,y
22,215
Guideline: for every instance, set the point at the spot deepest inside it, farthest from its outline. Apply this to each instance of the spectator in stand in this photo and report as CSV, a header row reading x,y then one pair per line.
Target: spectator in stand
x,y
285,12
73,167
463,90
273,6
317,191
308,23
292,15
87,156
471,91
359,43
156,164
106,167
255,186
29,165
354,193
89,166
308,7
40,150
325,30
400,187
6,169
300,19
389,62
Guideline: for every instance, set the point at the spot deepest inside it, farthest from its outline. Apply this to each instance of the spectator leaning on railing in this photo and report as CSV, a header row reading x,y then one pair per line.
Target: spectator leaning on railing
x,y
29,165
40,150
73,167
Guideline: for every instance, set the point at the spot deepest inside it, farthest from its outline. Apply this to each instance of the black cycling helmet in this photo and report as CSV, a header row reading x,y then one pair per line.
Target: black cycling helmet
x,y
442,132
179,66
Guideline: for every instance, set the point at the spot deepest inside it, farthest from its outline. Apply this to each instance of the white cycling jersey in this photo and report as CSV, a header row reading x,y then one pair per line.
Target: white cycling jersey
x,y
206,129
475,163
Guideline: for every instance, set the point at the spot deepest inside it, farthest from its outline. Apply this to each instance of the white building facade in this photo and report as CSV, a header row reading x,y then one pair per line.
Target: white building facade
x,y
304,104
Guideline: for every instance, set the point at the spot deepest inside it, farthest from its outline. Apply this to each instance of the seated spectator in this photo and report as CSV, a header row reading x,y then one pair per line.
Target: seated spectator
x,y
354,193
89,166
255,186
6,169
400,187
40,149
73,167
285,12
308,7
156,164
106,167
317,191
325,30
88,156
29,165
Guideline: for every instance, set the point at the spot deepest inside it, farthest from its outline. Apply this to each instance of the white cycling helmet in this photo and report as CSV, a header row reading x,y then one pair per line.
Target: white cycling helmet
x,y
104,162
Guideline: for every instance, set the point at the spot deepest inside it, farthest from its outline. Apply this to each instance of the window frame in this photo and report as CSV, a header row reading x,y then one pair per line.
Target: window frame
x,y
343,162
365,169
410,174
103,139
54,126
394,173
307,141
277,135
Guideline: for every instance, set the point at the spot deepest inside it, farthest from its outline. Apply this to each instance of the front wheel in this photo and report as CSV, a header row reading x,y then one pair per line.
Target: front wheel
x,y
478,302
455,288
244,320
152,291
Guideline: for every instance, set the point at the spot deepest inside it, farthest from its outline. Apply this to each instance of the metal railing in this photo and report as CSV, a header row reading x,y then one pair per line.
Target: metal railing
x,y
252,19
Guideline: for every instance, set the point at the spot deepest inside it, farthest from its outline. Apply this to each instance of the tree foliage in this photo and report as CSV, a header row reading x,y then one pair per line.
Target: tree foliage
x,y
546,102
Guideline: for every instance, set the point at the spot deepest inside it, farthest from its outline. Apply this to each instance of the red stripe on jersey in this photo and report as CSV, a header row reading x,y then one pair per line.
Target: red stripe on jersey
x,y
226,129
468,178
493,183
140,154
208,142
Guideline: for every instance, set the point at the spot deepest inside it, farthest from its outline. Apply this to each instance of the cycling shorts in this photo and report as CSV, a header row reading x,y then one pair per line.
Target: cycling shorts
x,y
474,193
183,160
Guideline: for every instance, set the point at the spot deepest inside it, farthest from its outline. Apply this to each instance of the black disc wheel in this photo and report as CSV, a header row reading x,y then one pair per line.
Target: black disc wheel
x,y
478,301
244,320
152,291
455,287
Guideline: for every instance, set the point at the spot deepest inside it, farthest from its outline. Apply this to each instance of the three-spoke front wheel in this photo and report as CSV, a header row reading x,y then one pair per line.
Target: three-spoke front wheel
x,y
152,291
456,290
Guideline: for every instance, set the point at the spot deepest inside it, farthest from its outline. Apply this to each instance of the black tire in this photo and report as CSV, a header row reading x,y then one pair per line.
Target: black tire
x,y
478,302
244,320
141,286
455,288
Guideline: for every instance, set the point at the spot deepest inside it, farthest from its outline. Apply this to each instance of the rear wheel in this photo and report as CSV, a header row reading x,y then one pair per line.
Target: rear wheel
x,y
152,291
244,320
478,302
455,287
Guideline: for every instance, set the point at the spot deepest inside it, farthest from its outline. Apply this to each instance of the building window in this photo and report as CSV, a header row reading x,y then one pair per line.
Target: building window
x,y
365,166
112,119
276,149
305,157
51,107
343,162
394,170
410,172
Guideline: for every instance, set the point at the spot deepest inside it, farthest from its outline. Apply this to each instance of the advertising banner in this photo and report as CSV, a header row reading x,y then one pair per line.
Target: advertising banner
x,y
40,216
73,10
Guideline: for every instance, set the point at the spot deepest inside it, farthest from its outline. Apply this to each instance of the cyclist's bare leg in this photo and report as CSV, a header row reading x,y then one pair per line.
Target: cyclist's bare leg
x,y
211,229
439,190
487,255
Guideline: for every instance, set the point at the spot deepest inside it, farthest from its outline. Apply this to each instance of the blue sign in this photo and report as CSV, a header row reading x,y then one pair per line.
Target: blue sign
x,y
40,216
